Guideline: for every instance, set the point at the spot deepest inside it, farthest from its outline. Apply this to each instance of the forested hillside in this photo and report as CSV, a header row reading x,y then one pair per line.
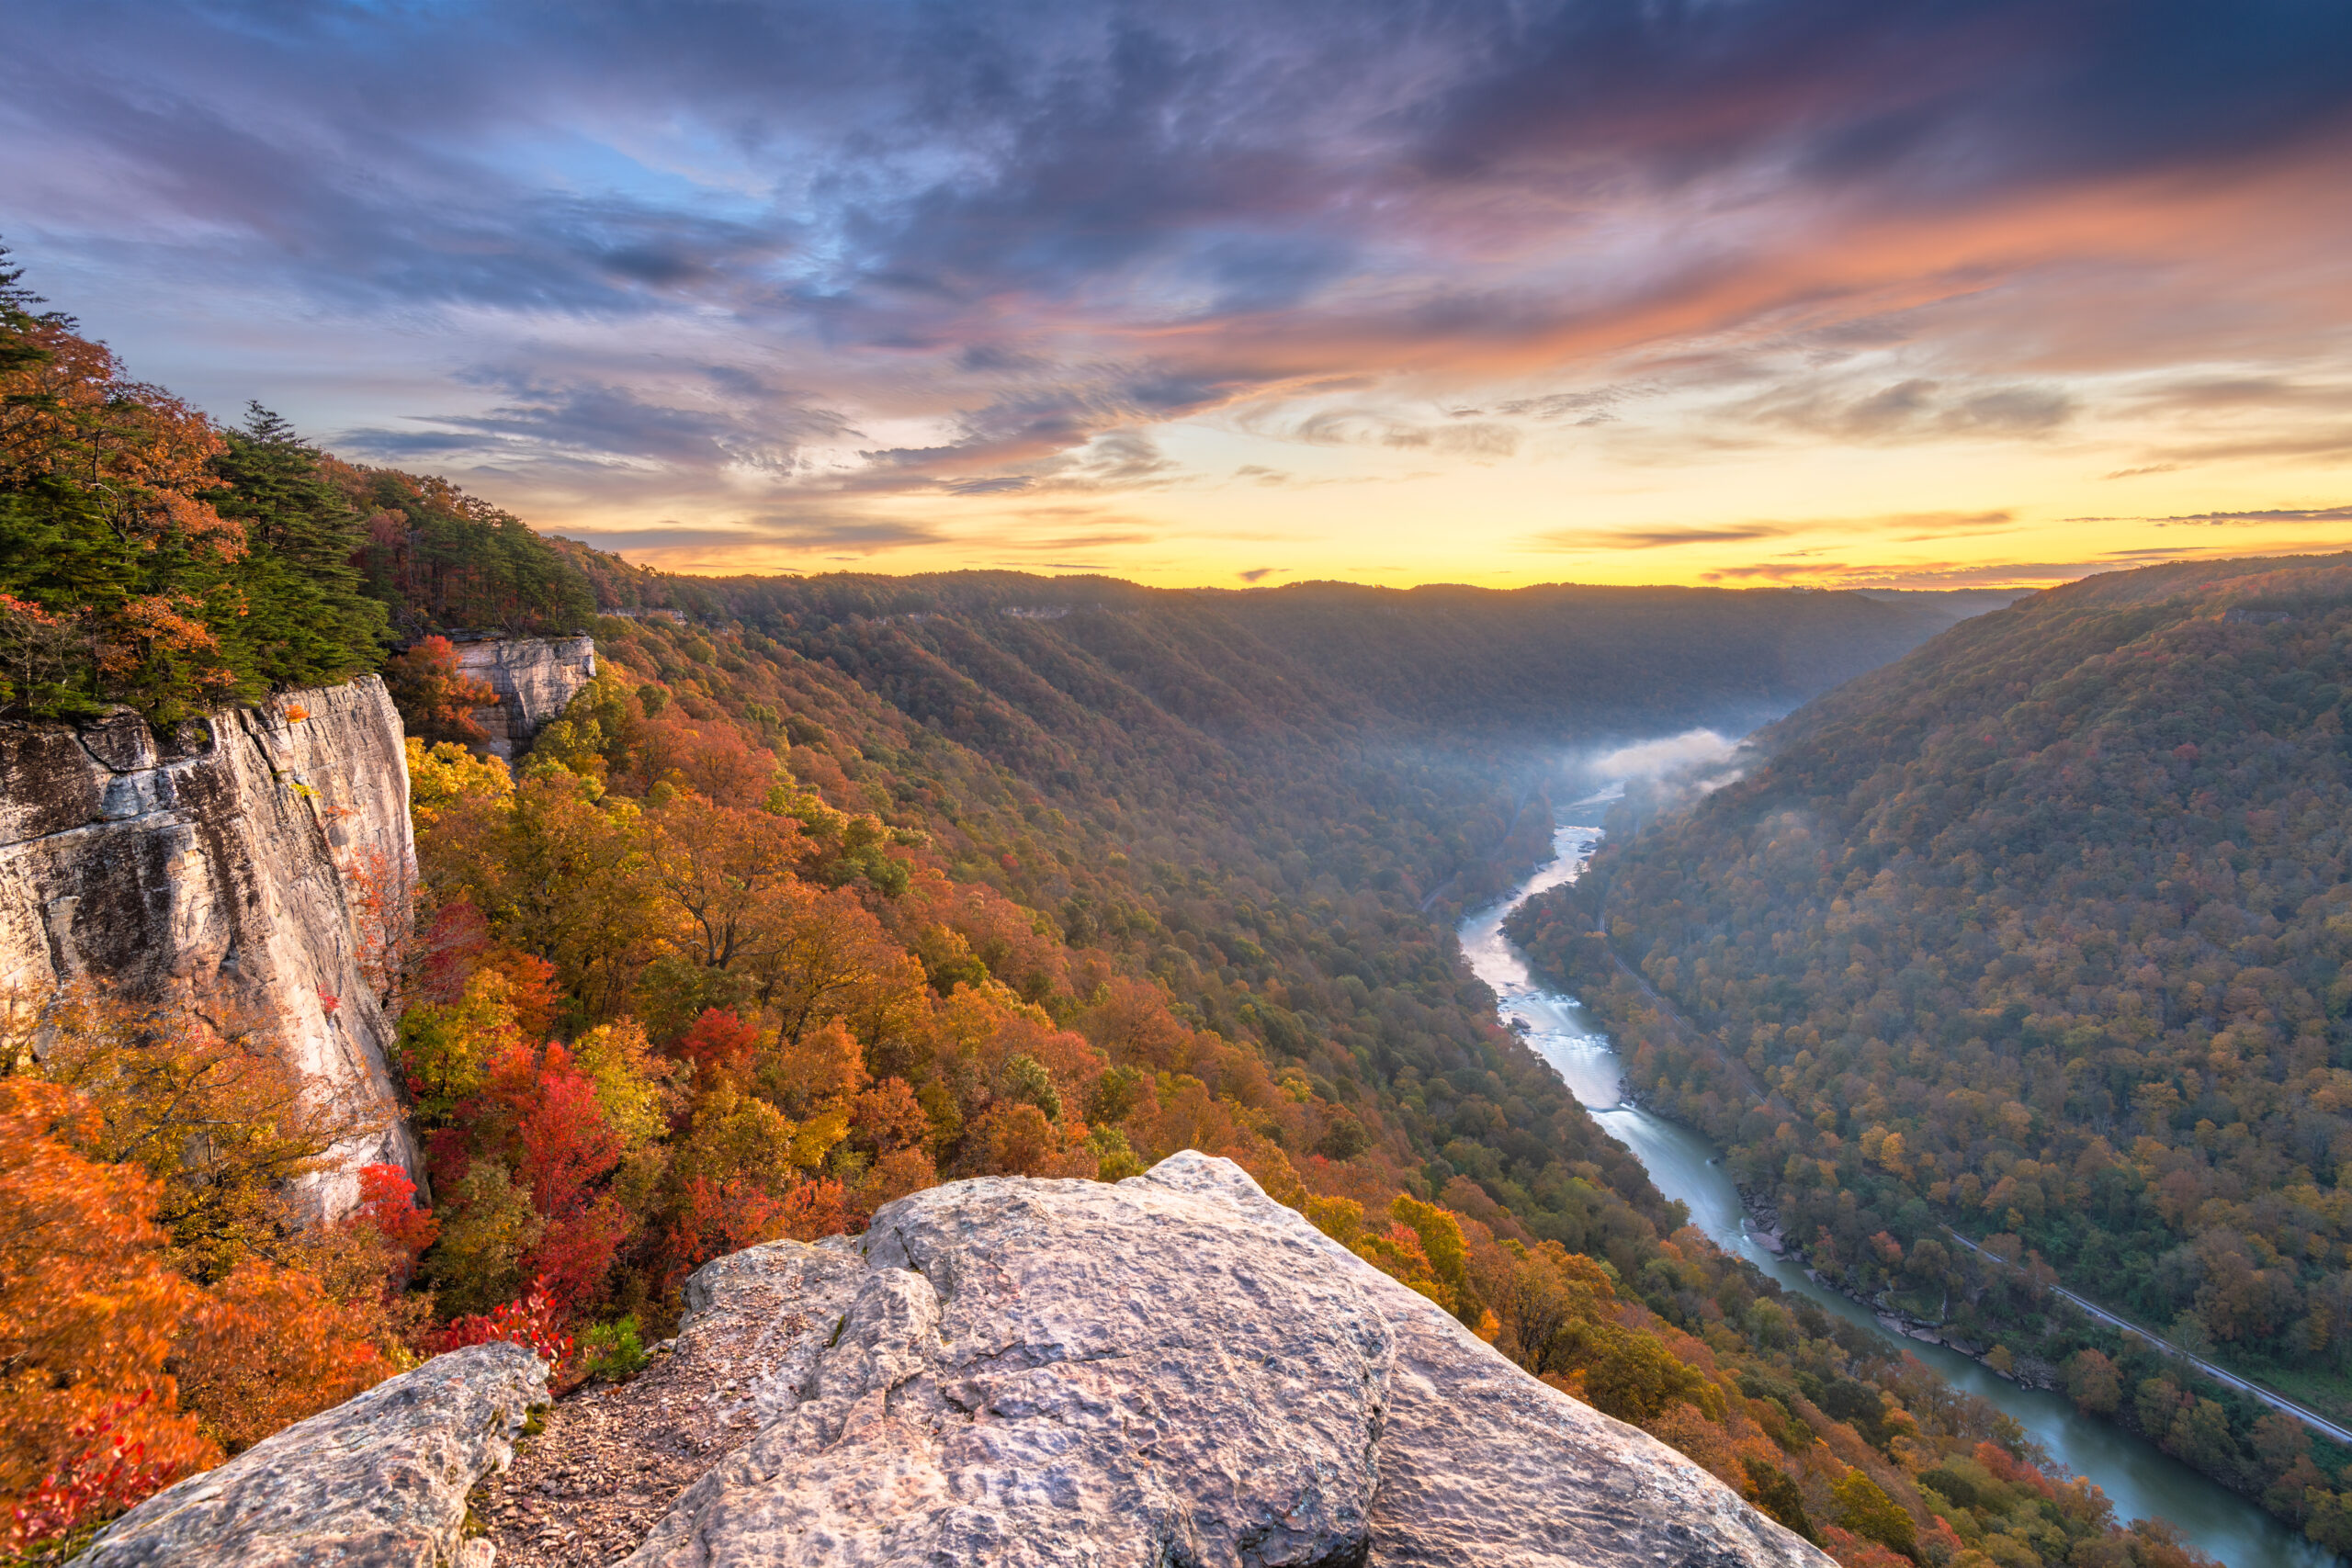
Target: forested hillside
x,y
2042,933
863,957
1525,667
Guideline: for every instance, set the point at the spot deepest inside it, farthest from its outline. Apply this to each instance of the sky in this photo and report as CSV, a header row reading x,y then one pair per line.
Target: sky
x,y
1917,293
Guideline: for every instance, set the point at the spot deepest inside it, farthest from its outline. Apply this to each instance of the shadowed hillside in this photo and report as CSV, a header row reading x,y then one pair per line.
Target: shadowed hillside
x,y
2043,934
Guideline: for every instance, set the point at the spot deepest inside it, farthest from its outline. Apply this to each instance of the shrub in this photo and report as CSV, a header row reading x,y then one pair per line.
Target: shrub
x,y
612,1350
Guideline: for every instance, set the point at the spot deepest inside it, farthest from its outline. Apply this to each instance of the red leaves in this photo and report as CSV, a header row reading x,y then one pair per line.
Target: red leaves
x,y
717,1218
387,1207
108,1471
534,1320
565,1145
577,1251
719,1045
558,1140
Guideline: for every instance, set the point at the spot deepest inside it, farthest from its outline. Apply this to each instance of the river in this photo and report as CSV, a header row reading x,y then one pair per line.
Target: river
x,y
2139,1480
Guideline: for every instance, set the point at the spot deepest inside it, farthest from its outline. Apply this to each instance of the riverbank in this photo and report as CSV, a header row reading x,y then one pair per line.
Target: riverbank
x,y
2024,1371
2141,1481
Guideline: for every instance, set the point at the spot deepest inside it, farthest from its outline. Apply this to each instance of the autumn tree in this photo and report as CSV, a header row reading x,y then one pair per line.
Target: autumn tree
x,y
435,697
90,1314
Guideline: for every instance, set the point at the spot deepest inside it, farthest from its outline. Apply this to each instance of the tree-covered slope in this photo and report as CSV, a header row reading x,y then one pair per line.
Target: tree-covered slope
x,y
151,556
2042,932
1533,666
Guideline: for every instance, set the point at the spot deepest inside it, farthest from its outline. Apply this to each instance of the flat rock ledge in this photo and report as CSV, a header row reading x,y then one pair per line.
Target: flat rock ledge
x,y
1173,1372
377,1482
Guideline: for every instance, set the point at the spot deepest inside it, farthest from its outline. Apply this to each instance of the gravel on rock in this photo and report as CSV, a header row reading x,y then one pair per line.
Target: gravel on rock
x,y
610,1460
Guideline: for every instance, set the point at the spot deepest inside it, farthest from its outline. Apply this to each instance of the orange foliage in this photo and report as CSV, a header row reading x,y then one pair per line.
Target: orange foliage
x,y
145,451
435,696
1855,1552
88,1312
821,1067
271,1348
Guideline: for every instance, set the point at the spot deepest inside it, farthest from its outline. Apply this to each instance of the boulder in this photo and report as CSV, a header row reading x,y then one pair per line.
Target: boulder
x,y
1176,1369
377,1482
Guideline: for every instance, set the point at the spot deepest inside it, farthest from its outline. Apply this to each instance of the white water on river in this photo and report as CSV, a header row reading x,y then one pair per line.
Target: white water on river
x,y
2138,1478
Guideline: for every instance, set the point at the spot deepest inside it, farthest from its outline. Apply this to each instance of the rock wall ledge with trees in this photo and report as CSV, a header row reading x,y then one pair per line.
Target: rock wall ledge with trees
x,y
259,858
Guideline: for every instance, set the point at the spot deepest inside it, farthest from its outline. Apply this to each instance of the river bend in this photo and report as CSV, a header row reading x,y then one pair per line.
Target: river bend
x,y
2140,1480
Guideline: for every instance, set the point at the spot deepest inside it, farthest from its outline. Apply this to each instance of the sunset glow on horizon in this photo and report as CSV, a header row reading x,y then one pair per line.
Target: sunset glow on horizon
x,y
1741,292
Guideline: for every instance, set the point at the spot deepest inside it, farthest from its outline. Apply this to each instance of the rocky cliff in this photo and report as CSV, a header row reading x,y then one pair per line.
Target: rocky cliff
x,y
256,854
534,678
1170,1371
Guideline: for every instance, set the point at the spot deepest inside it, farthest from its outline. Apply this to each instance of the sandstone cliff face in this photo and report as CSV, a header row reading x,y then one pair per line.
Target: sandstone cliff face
x,y
233,855
1173,1371
534,678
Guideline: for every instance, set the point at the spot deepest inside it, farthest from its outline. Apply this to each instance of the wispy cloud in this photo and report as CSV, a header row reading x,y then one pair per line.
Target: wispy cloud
x,y
1904,526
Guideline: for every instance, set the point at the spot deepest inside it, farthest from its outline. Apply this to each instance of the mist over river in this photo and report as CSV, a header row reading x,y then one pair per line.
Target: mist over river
x,y
2139,1480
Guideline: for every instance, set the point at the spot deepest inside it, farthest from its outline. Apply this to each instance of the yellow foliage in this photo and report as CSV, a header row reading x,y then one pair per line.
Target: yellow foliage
x,y
438,776
210,1109
1342,1219
629,1078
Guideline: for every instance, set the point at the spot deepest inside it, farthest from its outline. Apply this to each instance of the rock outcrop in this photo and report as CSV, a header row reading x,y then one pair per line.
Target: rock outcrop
x,y
534,678
1176,1369
377,1482
254,854
1172,1371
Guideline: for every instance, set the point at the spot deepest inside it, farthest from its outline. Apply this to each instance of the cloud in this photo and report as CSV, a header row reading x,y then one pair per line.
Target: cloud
x,y
1909,526
1960,574
814,533
1656,538
1915,408
2274,514
720,416
743,256
1479,440
1674,754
